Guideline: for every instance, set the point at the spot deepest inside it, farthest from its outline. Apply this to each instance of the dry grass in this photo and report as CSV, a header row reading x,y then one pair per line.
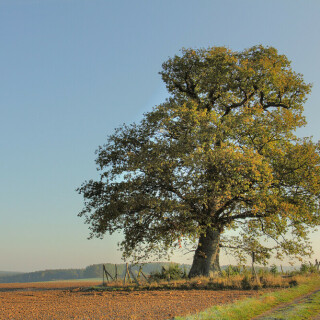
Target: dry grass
x,y
235,282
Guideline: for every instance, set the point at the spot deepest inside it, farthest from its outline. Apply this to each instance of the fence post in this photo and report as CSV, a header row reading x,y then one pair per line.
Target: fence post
x,y
139,272
102,276
148,280
133,276
107,274
126,275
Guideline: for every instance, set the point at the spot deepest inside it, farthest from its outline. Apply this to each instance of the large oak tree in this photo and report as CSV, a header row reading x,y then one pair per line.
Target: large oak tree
x,y
220,154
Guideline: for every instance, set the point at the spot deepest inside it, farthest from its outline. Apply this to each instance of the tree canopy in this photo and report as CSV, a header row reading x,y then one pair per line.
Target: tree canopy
x,y
220,154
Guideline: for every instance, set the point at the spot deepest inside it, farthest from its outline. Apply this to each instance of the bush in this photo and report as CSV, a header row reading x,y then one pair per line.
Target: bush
x,y
305,268
232,270
274,269
245,282
173,272
293,283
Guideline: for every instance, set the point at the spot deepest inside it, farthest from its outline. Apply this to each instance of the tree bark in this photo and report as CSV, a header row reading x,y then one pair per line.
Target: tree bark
x,y
206,258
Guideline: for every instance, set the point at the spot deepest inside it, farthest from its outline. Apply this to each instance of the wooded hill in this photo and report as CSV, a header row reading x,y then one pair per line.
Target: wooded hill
x,y
92,271
9,273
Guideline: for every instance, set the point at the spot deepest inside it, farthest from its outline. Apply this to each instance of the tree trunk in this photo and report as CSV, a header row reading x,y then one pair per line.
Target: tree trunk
x,y
206,258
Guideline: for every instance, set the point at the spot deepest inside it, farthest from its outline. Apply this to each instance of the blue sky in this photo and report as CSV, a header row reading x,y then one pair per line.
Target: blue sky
x,y
73,70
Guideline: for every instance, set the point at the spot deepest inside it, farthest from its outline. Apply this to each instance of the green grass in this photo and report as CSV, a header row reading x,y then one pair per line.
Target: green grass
x,y
308,308
252,307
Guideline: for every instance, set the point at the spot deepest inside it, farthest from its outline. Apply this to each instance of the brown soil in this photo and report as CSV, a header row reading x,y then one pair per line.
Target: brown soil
x,y
55,301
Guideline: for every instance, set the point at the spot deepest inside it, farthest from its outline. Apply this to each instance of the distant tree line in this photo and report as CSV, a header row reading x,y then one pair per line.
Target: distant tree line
x,y
92,271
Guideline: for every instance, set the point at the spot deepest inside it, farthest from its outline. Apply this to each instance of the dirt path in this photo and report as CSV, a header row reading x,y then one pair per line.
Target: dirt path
x,y
299,308
75,304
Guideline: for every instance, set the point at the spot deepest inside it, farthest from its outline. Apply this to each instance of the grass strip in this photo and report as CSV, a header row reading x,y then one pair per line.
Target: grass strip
x,y
308,308
252,307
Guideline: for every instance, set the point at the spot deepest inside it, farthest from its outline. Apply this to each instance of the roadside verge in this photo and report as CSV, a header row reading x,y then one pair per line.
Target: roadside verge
x,y
254,307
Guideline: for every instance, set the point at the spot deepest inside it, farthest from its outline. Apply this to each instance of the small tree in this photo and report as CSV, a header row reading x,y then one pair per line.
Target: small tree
x,y
172,272
274,269
220,154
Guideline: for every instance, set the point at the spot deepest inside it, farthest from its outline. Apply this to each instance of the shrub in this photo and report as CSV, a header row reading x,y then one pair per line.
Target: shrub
x,y
274,269
293,283
245,282
173,272
305,268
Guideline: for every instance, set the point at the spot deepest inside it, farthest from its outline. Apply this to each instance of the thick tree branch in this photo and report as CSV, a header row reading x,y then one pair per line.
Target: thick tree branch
x,y
243,215
275,105
238,104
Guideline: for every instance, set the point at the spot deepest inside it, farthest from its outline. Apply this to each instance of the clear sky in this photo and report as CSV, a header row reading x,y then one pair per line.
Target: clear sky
x,y
73,70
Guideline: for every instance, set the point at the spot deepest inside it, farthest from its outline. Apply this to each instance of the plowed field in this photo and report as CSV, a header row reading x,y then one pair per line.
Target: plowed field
x,y
61,300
